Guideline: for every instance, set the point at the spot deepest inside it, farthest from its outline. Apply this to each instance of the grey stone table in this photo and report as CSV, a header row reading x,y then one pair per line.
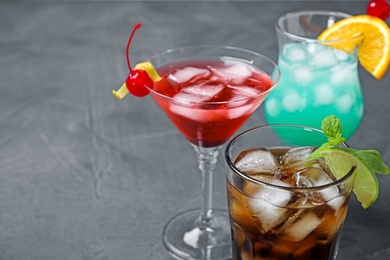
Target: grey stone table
x,y
85,176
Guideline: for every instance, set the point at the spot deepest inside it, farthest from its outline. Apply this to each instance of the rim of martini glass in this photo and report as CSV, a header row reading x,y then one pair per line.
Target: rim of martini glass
x,y
274,76
295,14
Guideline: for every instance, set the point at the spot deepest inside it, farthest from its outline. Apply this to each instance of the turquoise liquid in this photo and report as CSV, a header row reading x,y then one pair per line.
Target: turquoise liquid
x,y
316,81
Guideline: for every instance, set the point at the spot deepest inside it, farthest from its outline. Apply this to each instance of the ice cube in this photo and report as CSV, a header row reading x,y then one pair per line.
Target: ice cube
x,y
275,196
269,215
302,76
238,104
293,101
203,90
324,179
198,93
323,94
264,177
344,103
268,204
325,58
342,75
336,203
299,230
294,52
329,194
190,112
257,161
204,115
210,115
297,154
310,177
185,97
239,111
240,94
187,73
341,55
315,48
236,74
317,176
272,107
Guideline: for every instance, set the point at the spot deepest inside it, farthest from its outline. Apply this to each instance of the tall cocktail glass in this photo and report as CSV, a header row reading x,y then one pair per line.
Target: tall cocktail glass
x,y
281,205
208,92
317,80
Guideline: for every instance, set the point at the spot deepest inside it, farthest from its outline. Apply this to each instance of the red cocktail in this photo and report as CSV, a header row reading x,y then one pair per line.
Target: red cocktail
x,y
208,92
208,100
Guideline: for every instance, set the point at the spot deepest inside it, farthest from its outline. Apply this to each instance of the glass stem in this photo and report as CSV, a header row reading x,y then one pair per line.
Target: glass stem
x,y
207,158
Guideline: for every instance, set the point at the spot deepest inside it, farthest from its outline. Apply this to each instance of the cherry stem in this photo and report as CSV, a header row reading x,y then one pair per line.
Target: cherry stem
x,y
138,25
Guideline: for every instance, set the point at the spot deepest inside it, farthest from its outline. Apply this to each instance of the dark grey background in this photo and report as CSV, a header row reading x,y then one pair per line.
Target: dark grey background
x,y
85,176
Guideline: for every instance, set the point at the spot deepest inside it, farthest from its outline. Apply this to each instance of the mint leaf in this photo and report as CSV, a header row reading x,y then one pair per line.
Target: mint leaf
x,y
372,159
332,128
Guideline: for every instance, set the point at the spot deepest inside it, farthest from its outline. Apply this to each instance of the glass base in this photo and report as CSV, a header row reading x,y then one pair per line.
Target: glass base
x,y
186,238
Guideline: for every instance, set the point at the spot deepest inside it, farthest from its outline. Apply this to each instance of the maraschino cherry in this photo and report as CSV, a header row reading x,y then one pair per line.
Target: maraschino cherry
x,y
137,79
379,8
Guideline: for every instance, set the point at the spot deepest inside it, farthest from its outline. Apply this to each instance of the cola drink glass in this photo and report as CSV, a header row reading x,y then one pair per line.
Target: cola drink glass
x,y
281,204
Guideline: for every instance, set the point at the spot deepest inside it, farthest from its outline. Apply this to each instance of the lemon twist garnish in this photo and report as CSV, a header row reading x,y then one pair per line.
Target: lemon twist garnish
x,y
149,68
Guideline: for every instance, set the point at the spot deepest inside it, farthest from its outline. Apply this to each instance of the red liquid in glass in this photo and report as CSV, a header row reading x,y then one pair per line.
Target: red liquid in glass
x,y
208,100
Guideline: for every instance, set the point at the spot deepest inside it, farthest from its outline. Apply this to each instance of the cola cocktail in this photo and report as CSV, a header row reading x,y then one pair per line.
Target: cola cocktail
x,y
283,205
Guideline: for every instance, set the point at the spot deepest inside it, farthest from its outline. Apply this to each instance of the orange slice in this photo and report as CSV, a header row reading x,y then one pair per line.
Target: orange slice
x,y
374,49
148,67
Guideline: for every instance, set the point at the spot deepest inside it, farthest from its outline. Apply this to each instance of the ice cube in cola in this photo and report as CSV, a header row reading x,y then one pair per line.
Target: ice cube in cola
x,y
281,223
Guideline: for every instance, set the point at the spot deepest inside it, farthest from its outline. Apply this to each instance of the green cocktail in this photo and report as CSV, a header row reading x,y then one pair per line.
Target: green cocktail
x,y
317,80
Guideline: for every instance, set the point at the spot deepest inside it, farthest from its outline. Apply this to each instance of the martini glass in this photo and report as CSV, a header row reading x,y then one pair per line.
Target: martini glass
x,y
208,92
